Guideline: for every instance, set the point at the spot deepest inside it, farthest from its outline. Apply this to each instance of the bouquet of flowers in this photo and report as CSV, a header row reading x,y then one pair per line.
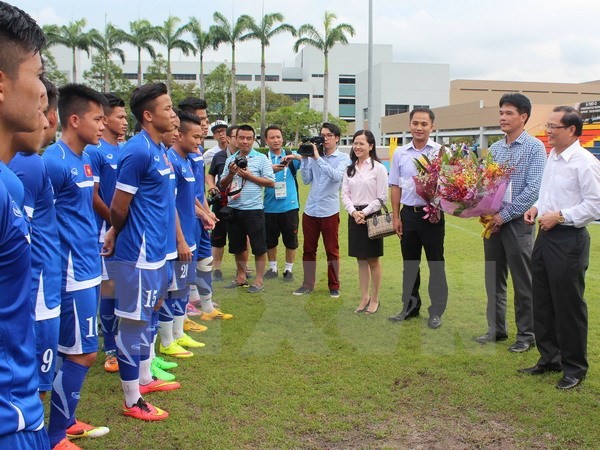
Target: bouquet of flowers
x,y
426,185
469,187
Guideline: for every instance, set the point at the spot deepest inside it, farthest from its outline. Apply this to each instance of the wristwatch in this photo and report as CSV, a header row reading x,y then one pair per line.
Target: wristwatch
x,y
561,218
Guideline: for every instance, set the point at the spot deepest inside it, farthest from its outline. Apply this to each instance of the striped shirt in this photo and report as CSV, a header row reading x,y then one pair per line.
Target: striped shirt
x,y
251,196
527,157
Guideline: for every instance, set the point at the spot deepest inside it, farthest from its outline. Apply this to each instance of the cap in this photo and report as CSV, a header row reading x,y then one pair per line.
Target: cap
x,y
218,124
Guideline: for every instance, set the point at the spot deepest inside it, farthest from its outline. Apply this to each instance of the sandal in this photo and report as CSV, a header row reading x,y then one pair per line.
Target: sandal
x,y
254,289
367,312
235,284
359,309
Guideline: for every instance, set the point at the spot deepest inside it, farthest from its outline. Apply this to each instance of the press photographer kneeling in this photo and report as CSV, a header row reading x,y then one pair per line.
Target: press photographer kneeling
x,y
245,175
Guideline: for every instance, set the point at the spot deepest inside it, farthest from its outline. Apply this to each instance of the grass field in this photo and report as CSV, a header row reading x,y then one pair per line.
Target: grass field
x,y
306,372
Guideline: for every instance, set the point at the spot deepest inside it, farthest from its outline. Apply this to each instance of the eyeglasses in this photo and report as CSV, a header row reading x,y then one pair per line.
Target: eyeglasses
x,y
552,127
327,136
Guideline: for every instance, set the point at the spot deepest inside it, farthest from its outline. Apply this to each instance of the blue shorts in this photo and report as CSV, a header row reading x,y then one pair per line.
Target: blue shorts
x,y
31,440
46,344
181,274
136,290
79,322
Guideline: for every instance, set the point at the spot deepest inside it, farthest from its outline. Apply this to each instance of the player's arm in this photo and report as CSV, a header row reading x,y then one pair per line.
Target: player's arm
x,y
119,209
99,206
183,249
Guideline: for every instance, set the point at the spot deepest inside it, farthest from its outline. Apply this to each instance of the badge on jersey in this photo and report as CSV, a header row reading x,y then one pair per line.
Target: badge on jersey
x,y
88,170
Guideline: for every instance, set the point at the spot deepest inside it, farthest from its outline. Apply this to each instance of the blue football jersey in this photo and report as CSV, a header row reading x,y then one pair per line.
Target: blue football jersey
x,y
73,184
143,171
13,185
198,168
20,405
104,157
185,198
45,241
172,229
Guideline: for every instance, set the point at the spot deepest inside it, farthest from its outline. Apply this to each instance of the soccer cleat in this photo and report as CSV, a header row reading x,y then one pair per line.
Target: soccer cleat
x,y
111,364
191,310
157,385
145,411
217,314
81,430
66,444
188,342
190,325
175,350
162,364
161,374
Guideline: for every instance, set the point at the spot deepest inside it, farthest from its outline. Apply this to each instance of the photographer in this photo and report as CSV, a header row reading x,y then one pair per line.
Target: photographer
x,y
245,175
324,172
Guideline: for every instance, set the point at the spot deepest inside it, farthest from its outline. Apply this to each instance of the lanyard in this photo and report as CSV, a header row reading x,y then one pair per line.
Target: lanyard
x,y
273,159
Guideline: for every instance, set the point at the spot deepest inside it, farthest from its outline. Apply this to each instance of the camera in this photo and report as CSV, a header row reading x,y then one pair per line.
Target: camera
x,y
306,148
213,197
241,161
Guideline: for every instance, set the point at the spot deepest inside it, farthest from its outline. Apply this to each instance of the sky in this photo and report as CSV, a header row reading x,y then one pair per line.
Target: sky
x,y
511,40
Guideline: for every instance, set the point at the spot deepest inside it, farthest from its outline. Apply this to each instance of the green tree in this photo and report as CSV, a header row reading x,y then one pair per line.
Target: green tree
x,y
218,92
107,45
71,36
249,102
296,120
202,40
308,35
141,34
263,32
171,37
224,32
51,69
157,71
95,77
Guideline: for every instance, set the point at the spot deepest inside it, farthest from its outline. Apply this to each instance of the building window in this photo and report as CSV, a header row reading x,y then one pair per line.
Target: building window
x,y
297,97
244,77
130,76
267,77
395,109
365,113
421,106
184,76
317,75
317,96
347,80
296,80
347,101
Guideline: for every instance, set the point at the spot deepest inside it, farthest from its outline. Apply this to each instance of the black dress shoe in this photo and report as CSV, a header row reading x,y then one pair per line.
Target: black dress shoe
x,y
568,383
404,315
521,346
538,370
434,322
487,337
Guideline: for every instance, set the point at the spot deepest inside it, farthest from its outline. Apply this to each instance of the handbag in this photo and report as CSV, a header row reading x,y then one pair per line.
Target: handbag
x,y
226,213
380,225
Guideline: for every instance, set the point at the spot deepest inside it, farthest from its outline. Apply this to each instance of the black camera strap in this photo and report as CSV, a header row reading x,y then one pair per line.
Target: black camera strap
x,y
237,191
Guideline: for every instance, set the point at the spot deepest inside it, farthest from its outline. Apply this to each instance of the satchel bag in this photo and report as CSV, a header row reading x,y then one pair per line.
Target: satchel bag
x,y
380,225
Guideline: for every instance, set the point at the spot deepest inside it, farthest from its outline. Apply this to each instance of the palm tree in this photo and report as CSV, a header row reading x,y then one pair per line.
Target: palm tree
x,y
171,37
263,32
107,45
224,32
202,40
308,35
71,36
141,33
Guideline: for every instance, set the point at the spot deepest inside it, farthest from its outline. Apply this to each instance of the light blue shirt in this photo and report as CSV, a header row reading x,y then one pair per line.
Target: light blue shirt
x,y
251,195
290,202
325,175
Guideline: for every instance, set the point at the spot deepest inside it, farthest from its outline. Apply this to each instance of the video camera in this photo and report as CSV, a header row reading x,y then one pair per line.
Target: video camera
x,y
306,148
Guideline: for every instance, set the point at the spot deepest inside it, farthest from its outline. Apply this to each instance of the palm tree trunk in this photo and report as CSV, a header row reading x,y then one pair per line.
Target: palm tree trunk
x,y
325,88
201,75
139,77
263,97
169,71
74,66
106,78
233,88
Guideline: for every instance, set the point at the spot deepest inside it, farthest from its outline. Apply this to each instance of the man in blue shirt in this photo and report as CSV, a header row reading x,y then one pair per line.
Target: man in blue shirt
x,y
139,222
104,157
281,204
511,244
321,215
245,175
21,411
82,119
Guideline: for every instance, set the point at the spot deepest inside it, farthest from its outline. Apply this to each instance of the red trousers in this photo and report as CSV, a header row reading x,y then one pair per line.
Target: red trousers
x,y
312,227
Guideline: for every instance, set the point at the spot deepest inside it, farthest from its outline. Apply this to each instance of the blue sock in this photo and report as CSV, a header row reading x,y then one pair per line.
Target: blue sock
x,y
204,282
108,323
165,313
65,397
129,340
154,322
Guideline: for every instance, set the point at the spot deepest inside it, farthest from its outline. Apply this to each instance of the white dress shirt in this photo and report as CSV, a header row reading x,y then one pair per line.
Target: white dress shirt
x,y
364,188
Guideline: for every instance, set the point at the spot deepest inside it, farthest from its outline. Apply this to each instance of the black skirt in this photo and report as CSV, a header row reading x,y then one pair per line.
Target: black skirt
x,y
359,244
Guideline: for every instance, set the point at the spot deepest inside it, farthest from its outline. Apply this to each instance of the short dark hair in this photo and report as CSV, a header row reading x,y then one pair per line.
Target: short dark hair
x,y
571,118
517,100
246,128
20,36
142,98
51,92
231,129
191,104
333,128
114,101
273,127
186,118
422,110
74,99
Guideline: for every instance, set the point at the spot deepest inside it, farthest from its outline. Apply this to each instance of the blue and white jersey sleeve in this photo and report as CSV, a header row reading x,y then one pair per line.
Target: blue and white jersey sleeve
x,y
185,198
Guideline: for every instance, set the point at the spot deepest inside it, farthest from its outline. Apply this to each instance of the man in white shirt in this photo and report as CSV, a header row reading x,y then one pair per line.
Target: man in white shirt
x,y
569,199
219,131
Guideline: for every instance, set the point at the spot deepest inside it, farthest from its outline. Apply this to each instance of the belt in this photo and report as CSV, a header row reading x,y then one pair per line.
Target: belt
x,y
414,208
